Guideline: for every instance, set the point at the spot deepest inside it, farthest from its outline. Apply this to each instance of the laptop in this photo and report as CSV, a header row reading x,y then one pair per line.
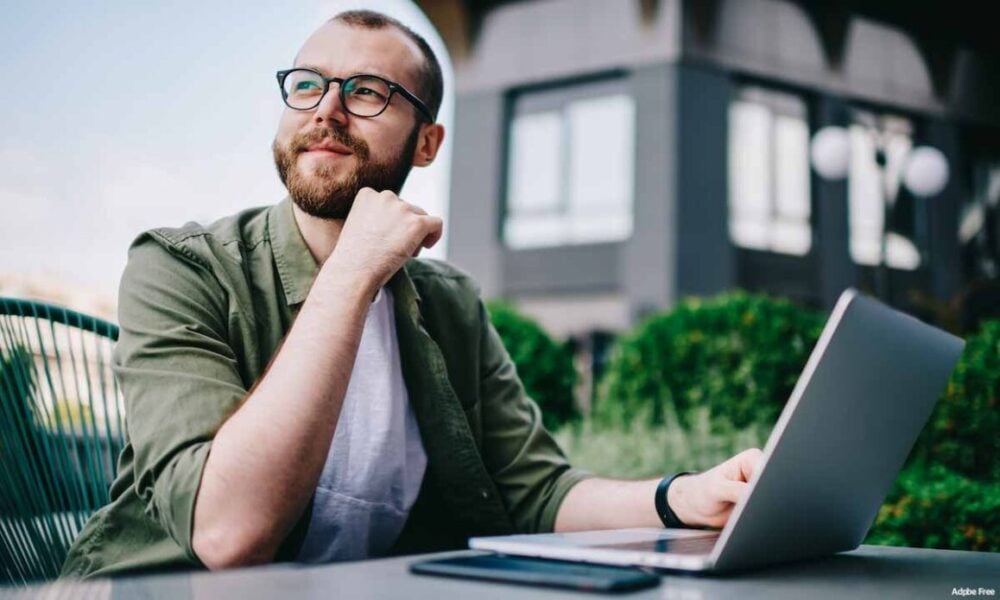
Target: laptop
x,y
865,393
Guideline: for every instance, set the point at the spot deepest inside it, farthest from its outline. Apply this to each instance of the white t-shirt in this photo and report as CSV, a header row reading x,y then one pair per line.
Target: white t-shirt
x,y
376,462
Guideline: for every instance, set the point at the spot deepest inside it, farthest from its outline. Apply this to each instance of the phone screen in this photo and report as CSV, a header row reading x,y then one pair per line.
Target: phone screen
x,y
538,571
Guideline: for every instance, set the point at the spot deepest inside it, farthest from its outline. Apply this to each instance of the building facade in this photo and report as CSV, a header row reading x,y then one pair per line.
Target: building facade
x,y
613,156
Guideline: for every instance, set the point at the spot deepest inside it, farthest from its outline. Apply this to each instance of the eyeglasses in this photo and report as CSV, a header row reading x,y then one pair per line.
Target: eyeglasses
x,y
361,95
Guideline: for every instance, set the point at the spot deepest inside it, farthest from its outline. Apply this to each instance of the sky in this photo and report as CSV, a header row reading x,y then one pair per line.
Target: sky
x,y
122,116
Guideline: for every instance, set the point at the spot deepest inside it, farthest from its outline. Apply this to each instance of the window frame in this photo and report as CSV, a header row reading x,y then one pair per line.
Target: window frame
x,y
767,93
558,95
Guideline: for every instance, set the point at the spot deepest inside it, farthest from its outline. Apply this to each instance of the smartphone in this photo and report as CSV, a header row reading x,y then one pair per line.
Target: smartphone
x,y
538,571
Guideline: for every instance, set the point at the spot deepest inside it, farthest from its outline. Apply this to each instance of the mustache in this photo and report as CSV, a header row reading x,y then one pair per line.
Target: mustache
x,y
301,142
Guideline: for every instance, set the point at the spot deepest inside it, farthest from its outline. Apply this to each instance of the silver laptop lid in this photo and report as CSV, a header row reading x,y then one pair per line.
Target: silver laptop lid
x,y
867,390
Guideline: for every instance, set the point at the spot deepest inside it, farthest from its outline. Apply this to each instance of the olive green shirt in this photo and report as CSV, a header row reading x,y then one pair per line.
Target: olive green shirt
x,y
202,309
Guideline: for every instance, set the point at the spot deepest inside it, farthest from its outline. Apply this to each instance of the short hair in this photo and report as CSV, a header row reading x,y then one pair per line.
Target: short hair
x,y
431,83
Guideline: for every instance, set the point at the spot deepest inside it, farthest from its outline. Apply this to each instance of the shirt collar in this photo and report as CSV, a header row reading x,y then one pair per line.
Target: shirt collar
x,y
296,266
405,296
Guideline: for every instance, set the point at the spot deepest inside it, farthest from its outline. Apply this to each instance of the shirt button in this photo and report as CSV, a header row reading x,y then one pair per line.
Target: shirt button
x,y
485,493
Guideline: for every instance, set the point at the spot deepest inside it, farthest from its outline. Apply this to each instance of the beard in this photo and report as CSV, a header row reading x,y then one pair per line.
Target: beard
x,y
321,194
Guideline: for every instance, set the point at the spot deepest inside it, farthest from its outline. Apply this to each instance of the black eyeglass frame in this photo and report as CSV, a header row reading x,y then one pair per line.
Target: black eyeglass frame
x,y
340,81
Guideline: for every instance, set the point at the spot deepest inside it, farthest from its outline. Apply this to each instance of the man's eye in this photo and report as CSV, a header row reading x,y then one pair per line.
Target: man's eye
x,y
363,91
305,86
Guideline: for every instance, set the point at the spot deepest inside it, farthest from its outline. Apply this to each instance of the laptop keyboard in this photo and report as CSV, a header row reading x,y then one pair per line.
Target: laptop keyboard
x,y
683,545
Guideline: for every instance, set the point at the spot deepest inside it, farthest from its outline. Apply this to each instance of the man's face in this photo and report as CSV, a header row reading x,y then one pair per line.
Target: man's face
x,y
374,152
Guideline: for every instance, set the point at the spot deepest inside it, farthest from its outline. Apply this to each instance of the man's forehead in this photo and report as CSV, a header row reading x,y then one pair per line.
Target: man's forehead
x,y
341,50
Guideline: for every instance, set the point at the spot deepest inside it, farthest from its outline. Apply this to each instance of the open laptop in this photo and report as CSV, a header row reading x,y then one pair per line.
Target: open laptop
x,y
867,390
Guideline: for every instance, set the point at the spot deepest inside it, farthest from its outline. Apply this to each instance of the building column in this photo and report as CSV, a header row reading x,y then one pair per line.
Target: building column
x,y
831,226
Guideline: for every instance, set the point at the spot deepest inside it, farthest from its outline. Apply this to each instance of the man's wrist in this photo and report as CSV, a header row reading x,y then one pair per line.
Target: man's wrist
x,y
676,498
348,282
667,501
339,298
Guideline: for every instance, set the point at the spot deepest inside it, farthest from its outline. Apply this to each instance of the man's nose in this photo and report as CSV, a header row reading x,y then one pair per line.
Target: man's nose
x,y
331,108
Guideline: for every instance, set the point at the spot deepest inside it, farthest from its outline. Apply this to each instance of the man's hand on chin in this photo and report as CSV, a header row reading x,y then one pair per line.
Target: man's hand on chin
x,y
380,234
708,498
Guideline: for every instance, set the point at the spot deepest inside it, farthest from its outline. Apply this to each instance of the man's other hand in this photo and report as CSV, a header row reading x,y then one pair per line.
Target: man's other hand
x,y
708,498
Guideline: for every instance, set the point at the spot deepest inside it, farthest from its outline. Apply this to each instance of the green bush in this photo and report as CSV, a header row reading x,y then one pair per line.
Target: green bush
x,y
933,507
544,367
948,496
964,431
737,354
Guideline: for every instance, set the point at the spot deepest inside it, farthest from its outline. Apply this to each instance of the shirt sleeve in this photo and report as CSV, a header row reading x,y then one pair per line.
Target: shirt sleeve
x,y
178,375
529,469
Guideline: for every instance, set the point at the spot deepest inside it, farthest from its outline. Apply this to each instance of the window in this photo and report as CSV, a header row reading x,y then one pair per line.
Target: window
x,y
769,197
571,165
979,223
868,190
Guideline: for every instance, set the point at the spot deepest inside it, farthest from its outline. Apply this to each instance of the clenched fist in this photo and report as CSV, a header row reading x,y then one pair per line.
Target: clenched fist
x,y
380,234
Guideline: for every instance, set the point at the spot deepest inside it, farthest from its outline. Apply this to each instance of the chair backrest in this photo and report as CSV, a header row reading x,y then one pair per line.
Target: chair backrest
x,y
62,425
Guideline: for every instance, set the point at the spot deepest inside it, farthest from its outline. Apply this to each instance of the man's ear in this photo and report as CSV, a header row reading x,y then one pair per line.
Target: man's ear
x,y
428,143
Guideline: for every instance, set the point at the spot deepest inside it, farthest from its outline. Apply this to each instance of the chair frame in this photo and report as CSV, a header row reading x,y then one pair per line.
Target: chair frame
x,y
63,468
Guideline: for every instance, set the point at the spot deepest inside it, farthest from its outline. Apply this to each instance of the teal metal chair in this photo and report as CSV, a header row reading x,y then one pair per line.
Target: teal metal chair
x,y
62,426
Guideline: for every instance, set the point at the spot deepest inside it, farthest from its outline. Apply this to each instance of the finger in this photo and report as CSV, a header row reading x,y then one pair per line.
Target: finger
x,y
416,209
433,228
434,233
749,462
365,191
719,520
730,491
413,208
741,466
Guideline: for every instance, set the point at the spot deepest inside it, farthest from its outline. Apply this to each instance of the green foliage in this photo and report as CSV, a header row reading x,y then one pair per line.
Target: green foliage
x,y
964,432
933,507
17,386
737,354
17,392
949,494
21,462
544,367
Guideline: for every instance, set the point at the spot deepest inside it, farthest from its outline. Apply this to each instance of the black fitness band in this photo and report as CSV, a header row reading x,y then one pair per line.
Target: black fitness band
x,y
663,509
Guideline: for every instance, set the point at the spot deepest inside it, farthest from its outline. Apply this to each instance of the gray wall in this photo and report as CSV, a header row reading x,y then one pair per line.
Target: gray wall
x,y
649,268
943,210
473,243
829,201
705,256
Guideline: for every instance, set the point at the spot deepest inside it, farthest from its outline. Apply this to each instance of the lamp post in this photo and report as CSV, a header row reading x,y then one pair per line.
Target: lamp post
x,y
925,173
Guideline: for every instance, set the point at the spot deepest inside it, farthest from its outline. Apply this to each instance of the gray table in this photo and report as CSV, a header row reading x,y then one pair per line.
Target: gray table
x,y
869,572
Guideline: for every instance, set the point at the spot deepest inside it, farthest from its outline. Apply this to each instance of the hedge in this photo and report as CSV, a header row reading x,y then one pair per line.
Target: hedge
x,y
739,354
964,430
545,367
933,507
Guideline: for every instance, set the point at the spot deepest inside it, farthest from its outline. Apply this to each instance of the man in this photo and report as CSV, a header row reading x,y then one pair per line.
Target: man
x,y
299,387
